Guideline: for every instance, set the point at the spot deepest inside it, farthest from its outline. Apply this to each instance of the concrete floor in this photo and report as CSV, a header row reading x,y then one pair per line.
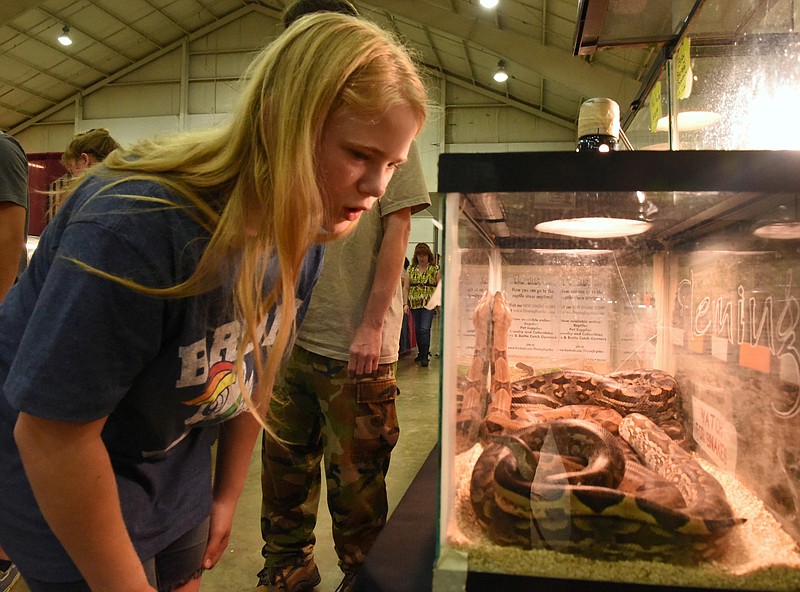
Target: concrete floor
x,y
418,410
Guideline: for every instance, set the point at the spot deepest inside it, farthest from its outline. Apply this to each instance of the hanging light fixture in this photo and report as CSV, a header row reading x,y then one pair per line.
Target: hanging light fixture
x,y
64,38
595,216
501,75
782,223
598,125
489,3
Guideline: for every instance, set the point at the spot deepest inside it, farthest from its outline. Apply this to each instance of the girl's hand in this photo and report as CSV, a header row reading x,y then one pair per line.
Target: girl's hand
x,y
219,532
234,448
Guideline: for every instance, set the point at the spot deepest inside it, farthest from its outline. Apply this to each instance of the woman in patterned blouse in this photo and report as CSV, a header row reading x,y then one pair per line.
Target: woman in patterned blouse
x,y
423,276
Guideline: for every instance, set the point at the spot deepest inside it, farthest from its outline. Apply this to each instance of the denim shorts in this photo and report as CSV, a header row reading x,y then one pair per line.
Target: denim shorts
x,y
179,563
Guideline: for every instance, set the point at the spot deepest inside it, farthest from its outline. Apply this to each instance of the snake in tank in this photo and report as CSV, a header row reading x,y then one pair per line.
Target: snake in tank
x,y
583,462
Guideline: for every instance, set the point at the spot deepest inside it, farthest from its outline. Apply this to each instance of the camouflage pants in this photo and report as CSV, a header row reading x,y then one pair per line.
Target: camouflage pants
x,y
318,412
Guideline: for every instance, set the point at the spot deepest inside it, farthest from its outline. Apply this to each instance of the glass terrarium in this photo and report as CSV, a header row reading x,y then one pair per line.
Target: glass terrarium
x,y
621,386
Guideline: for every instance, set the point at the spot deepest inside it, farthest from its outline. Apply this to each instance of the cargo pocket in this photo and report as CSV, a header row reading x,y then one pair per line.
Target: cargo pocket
x,y
376,423
376,390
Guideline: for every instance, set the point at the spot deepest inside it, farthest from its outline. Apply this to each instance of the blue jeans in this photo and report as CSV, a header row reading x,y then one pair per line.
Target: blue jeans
x,y
423,319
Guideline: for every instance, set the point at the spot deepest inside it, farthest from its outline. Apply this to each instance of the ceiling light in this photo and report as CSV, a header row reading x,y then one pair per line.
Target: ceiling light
x,y
594,227
596,215
489,3
779,230
690,120
782,224
598,125
64,38
501,75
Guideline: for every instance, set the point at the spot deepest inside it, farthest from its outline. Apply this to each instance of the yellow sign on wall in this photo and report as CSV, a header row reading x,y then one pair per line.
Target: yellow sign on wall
x,y
655,106
683,69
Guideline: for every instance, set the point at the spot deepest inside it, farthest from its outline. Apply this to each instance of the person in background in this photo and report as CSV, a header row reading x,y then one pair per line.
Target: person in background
x,y
423,277
85,150
161,301
13,256
13,211
335,397
405,339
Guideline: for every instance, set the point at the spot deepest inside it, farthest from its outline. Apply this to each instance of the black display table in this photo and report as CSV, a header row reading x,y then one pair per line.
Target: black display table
x,y
401,560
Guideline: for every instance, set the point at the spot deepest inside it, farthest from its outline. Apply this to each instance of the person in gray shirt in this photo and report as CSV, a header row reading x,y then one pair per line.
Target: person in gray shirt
x,y
335,397
13,211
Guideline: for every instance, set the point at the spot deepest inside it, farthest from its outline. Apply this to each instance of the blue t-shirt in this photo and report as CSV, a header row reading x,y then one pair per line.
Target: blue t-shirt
x,y
77,347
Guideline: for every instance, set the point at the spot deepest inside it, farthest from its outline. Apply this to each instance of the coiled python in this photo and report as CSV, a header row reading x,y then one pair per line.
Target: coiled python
x,y
593,464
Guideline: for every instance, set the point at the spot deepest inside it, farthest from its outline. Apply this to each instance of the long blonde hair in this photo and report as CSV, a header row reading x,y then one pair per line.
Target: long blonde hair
x,y
254,182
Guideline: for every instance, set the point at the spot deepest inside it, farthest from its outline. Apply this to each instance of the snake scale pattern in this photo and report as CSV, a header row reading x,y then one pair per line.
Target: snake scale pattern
x,y
582,462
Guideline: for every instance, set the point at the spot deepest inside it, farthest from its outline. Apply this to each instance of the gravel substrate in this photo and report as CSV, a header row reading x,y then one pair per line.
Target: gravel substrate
x,y
759,555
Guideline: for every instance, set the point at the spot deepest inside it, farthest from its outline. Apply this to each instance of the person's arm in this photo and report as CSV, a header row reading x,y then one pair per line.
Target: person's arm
x,y
12,242
406,288
13,210
71,475
365,349
234,449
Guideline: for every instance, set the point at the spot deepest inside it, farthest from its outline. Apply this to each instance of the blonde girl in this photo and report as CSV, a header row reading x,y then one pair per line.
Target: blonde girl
x,y
161,300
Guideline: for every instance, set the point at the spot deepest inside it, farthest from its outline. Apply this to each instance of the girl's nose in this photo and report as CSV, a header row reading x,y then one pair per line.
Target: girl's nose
x,y
374,182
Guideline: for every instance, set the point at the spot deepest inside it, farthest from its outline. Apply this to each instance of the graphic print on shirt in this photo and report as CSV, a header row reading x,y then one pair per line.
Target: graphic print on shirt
x,y
222,398
213,362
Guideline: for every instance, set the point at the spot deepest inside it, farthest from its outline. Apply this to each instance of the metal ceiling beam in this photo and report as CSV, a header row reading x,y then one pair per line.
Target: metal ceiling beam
x,y
34,68
260,8
229,18
551,63
203,6
468,59
510,101
434,51
166,16
10,9
27,90
544,22
14,109
268,4
128,25
250,7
